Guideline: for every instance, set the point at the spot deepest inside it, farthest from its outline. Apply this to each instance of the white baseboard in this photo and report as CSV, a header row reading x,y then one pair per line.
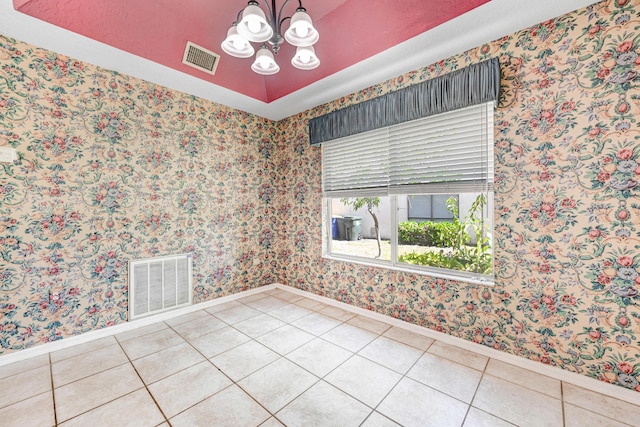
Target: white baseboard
x,y
550,371
123,327
576,379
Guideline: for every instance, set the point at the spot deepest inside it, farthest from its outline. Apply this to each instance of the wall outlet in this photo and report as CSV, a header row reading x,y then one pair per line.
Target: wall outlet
x,y
8,155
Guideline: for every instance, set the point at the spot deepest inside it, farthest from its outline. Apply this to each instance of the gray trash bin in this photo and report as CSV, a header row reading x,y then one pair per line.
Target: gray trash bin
x,y
340,226
352,227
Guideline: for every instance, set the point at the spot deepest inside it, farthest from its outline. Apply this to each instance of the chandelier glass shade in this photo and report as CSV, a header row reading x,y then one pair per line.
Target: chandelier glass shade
x,y
236,45
301,31
305,58
265,63
252,25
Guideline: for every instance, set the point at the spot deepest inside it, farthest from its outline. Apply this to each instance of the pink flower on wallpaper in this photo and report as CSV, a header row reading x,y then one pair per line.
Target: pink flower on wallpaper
x,y
625,46
625,261
625,154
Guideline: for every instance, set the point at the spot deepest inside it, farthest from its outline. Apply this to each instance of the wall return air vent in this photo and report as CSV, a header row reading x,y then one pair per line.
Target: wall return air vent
x,y
159,284
200,58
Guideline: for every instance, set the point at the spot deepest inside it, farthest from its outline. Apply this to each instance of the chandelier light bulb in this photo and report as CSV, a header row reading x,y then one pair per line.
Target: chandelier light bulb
x,y
302,31
253,25
265,63
305,58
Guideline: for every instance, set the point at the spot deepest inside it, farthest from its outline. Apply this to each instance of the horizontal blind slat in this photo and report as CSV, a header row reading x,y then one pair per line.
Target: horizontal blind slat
x,y
447,152
356,162
444,148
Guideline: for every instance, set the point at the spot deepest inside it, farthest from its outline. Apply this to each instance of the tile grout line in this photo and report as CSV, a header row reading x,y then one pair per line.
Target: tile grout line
x,y
143,382
103,404
89,375
344,391
281,357
562,385
401,378
564,415
80,379
475,393
284,357
484,373
373,409
53,392
353,354
220,370
320,378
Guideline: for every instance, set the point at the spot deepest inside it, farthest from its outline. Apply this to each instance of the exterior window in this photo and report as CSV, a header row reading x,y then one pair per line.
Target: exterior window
x,y
360,227
429,207
417,196
461,243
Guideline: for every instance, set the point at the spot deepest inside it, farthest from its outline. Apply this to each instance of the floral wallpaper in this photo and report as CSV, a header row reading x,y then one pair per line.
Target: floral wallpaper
x,y
112,168
567,204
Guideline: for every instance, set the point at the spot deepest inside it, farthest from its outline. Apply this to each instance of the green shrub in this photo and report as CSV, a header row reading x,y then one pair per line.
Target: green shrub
x,y
440,234
432,259
475,258
465,260
413,233
445,234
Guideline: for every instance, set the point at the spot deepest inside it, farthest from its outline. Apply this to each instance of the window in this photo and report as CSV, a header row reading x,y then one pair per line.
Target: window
x,y
417,195
430,207
353,230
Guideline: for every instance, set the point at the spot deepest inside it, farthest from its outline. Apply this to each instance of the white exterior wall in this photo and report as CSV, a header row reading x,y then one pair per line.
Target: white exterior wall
x,y
383,212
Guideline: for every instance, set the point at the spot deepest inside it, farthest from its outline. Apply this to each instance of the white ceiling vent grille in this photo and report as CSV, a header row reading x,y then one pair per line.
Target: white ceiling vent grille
x,y
200,58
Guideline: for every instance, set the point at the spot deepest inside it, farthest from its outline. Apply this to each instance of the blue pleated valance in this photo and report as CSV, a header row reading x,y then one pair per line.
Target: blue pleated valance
x,y
472,85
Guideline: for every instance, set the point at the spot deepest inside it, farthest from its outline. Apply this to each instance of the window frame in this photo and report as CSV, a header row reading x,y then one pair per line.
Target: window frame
x,y
393,193
431,209
393,263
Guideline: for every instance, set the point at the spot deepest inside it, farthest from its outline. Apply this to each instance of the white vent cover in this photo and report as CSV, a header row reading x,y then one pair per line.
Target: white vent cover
x,y
159,284
200,58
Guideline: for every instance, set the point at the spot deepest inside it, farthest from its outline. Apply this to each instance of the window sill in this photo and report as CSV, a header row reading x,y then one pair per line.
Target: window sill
x,y
389,266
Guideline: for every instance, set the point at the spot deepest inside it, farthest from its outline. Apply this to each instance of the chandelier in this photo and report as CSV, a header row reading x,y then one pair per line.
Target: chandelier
x,y
252,25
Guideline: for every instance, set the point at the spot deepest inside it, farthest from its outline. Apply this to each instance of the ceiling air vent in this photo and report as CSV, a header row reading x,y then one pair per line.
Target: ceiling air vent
x,y
200,58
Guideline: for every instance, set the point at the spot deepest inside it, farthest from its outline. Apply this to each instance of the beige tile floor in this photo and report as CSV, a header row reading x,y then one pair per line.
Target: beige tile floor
x,y
276,358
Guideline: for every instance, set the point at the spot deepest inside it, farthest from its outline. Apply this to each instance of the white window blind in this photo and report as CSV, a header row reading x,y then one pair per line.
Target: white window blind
x,y
356,163
446,153
442,154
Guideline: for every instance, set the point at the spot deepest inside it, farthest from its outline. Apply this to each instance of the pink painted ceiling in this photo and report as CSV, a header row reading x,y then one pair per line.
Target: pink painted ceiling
x,y
350,31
